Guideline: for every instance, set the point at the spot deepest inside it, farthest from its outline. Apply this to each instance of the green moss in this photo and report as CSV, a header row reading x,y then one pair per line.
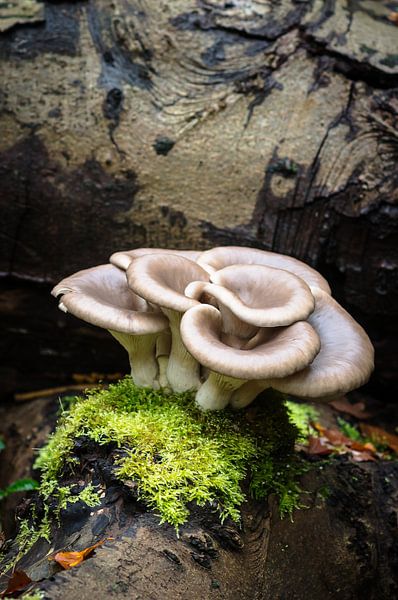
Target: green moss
x,y
349,430
302,415
38,595
177,454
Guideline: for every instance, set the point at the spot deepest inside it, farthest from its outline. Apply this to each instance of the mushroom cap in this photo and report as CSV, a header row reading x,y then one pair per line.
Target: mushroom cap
x,y
259,295
101,296
124,259
345,360
285,350
224,256
162,279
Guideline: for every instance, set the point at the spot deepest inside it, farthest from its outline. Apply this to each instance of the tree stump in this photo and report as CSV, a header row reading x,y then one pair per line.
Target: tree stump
x,y
341,545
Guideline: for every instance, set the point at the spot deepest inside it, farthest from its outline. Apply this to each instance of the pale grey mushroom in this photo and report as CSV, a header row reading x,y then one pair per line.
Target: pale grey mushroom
x,y
344,363
161,279
253,296
101,296
283,351
124,258
224,256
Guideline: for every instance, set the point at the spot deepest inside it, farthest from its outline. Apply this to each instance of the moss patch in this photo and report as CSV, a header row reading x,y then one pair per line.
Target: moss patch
x,y
177,454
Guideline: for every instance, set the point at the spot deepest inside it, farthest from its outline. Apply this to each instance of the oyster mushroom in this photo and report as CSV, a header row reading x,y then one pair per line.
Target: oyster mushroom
x,y
282,351
253,296
100,296
125,258
218,258
345,361
161,279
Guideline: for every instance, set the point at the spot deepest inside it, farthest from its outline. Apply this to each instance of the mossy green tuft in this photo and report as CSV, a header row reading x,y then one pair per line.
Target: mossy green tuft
x,y
177,454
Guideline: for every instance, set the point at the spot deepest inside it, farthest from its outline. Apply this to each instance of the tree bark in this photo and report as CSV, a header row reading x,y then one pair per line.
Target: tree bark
x,y
195,123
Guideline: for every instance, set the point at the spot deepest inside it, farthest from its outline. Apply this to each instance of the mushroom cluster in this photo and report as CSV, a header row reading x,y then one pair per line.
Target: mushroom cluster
x,y
228,322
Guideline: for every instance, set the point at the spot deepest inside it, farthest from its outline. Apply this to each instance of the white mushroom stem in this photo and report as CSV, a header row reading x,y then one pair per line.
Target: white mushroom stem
x,y
163,346
141,351
216,391
183,370
247,393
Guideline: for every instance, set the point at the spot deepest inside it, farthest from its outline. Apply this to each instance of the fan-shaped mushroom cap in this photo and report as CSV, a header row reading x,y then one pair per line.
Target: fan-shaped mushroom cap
x,y
162,278
124,259
345,360
224,256
100,296
259,295
286,350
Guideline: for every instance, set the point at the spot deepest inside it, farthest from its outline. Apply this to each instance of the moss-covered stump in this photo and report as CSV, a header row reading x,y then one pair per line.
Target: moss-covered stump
x,y
123,460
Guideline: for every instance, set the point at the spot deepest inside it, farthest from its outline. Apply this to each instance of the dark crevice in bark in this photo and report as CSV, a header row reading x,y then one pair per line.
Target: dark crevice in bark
x,y
350,67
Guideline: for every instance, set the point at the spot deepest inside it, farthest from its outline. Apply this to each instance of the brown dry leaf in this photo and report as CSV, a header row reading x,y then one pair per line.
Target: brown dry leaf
x,y
380,435
393,16
18,581
334,440
334,436
316,446
356,410
368,447
362,456
67,560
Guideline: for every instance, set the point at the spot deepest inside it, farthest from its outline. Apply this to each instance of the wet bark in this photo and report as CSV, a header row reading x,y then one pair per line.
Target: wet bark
x,y
193,123
341,545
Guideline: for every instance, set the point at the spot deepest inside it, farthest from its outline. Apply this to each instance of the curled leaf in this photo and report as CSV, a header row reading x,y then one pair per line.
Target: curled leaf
x,y
356,410
362,456
67,560
317,447
18,581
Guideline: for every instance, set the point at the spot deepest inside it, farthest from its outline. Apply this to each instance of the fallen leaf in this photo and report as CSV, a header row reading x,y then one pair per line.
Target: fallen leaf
x,y
333,440
18,581
334,436
379,435
368,447
316,446
67,560
356,410
393,17
362,456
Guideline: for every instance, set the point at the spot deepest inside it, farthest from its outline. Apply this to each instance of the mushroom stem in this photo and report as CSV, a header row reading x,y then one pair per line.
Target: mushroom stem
x,y
216,391
182,368
141,351
163,345
247,393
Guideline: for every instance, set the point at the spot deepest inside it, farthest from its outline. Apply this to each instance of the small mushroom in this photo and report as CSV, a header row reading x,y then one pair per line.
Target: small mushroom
x,y
282,351
161,279
345,361
124,259
218,258
100,296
